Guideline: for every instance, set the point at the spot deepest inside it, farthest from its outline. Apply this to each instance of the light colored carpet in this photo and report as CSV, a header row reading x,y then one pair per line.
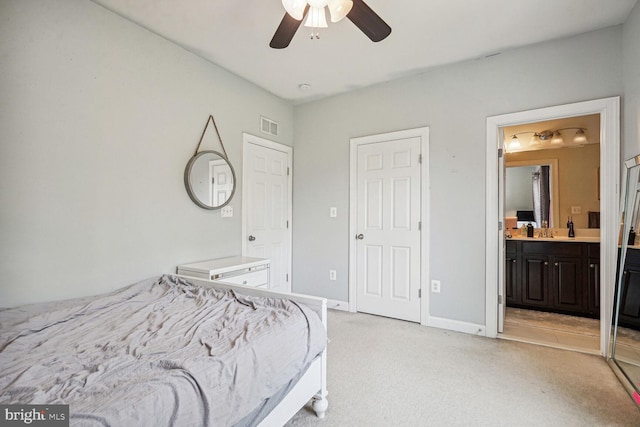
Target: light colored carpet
x,y
385,372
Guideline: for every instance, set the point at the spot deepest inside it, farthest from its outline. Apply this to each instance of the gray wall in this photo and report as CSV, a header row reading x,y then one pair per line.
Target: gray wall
x,y
631,72
98,118
454,101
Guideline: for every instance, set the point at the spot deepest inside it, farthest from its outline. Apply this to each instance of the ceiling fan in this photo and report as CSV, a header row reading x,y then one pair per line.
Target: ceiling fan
x,y
356,10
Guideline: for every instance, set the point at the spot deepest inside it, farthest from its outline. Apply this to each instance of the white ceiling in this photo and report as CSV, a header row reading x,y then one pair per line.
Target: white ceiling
x,y
235,35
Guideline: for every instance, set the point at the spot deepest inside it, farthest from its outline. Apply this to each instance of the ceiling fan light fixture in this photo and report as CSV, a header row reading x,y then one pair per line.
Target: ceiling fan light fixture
x,y
316,18
295,8
339,9
312,13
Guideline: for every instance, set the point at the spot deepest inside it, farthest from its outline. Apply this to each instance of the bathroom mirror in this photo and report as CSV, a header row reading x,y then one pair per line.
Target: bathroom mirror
x,y
210,180
625,340
567,166
521,194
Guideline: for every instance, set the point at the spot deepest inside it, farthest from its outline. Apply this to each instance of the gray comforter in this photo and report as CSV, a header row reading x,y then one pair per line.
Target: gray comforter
x,y
160,352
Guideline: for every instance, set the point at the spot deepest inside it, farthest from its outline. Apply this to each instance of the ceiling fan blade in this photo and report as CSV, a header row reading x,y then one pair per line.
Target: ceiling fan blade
x,y
286,30
368,21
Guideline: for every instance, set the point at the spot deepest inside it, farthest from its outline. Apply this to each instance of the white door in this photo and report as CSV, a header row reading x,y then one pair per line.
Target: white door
x,y
221,180
388,219
502,294
267,206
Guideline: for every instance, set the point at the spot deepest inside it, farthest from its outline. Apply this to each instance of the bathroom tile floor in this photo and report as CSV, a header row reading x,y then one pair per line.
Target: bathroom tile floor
x,y
552,330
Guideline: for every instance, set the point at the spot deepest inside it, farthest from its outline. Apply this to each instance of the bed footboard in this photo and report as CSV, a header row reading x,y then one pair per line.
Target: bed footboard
x,y
313,384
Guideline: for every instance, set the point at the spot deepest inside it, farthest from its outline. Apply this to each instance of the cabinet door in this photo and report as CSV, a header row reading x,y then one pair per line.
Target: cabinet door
x,y
567,284
593,283
511,279
535,282
630,301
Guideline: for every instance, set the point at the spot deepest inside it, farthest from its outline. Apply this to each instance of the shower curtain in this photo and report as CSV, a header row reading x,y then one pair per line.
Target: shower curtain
x,y
541,195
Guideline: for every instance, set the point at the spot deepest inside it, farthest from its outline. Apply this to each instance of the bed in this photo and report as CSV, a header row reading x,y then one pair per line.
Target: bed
x,y
169,351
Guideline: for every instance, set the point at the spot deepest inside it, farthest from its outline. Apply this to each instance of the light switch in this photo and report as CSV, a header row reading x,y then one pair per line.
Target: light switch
x,y
226,211
576,210
333,212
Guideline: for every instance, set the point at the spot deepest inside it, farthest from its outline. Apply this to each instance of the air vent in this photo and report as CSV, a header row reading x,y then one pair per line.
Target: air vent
x,y
268,126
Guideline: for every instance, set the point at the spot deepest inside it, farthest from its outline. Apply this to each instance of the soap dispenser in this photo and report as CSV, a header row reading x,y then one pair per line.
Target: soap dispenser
x,y
572,232
529,230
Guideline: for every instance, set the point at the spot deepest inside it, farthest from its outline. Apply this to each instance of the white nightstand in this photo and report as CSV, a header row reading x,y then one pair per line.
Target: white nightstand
x,y
239,270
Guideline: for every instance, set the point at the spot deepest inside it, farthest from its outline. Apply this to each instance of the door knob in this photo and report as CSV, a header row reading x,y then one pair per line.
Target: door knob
x,y
360,236
252,238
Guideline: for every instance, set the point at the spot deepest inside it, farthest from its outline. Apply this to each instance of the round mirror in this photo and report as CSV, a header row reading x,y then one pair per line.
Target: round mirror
x,y
210,180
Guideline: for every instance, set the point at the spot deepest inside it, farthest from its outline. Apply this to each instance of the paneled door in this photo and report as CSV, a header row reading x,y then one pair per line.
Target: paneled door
x,y
267,207
221,181
388,222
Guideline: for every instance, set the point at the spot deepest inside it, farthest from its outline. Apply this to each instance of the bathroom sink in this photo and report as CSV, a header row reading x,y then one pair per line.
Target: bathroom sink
x,y
559,238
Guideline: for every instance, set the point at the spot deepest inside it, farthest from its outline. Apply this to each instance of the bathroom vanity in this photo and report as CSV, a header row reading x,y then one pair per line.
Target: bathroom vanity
x,y
629,315
557,275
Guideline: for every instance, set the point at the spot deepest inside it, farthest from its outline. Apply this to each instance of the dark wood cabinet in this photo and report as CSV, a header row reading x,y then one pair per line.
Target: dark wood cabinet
x,y
593,279
630,295
534,280
552,276
511,273
568,284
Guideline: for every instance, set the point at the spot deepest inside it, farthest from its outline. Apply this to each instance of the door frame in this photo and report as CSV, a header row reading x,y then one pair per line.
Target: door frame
x,y
609,110
423,134
248,138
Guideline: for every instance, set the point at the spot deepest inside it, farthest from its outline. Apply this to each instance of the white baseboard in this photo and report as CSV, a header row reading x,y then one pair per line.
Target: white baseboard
x,y
337,305
456,325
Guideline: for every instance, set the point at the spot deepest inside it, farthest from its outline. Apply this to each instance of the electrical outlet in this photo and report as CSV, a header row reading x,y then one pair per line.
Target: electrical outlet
x,y
576,210
435,286
332,275
226,211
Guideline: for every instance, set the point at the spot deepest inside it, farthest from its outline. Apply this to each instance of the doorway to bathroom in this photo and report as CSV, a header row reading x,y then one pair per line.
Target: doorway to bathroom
x,y
551,287
501,314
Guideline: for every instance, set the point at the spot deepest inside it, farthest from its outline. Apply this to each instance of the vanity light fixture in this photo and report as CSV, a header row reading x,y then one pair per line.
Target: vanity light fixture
x,y
557,138
535,140
514,144
545,137
580,137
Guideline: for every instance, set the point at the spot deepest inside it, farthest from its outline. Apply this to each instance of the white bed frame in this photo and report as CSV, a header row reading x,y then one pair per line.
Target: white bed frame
x,y
313,384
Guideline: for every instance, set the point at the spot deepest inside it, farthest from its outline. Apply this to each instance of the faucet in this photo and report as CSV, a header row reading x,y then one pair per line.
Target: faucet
x,y
545,229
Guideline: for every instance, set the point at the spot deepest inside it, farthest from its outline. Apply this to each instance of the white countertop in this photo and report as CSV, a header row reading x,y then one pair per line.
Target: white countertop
x,y
556,238
585,235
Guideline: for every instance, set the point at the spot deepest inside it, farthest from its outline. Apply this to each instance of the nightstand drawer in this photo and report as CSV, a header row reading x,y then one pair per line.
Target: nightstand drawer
x,y
254,278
